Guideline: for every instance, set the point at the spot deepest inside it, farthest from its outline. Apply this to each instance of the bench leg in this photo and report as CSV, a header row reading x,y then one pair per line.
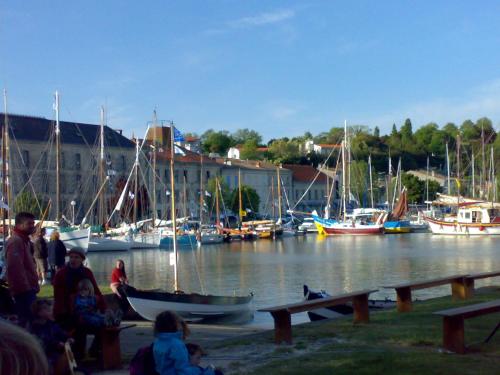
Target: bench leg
x,y
111,353
469,288
282,327
453,334
361,311
459,288
404,299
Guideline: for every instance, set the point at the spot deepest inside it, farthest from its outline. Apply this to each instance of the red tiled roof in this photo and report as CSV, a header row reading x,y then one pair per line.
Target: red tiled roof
x,y
305,173
192,139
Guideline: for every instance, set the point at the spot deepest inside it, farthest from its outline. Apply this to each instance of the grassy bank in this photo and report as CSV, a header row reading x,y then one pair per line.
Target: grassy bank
x,y
47,291
392,343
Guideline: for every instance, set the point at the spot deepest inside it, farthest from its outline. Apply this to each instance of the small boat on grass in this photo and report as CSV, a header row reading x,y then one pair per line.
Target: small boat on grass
x,y
339,310
190,306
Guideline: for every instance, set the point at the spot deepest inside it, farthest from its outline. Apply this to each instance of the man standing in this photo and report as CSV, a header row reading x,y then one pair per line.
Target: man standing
x,y
21,269
41,253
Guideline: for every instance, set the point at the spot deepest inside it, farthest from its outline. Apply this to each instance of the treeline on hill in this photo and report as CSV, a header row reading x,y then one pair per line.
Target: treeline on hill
x,y
412,146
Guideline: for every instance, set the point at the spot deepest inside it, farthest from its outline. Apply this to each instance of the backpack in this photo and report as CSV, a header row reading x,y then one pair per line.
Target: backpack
x,y
143,362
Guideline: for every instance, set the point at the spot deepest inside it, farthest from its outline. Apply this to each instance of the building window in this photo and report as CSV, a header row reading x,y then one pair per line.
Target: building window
x,y
208,176
62,183
235,181
78,183
315,194
78,162
123,162
185,172
63,160
26,158
228,180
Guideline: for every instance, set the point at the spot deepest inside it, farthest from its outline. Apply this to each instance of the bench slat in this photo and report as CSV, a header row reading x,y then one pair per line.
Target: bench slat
x,y
426,283
472,311
317,303
483,275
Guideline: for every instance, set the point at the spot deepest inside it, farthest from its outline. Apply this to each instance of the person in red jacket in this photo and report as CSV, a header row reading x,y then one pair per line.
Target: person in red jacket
x,y
21,269
65,289
119,281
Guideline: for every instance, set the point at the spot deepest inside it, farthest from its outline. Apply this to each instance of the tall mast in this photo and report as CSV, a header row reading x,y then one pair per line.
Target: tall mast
x,y
5,171
184,195
371,182
458,162
492,177
473,176
273,206
172,204
448,168
153,217
58,157
217,214
348,150
389,183
101,209
202,192
240,201
483,165
343,180
279,194
427,181
136,178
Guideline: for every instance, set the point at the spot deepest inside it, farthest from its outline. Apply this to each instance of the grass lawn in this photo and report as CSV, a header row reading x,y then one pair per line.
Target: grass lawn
x,y
47,291
392,343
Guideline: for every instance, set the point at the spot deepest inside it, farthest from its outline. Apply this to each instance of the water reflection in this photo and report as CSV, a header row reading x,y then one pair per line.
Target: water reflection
x,y
276,270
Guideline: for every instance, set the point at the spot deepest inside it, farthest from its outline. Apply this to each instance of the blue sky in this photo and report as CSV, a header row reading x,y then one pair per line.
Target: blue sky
x,y
278,67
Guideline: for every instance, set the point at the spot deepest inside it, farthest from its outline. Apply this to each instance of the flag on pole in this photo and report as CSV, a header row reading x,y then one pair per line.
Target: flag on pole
x,y
178,137
179,150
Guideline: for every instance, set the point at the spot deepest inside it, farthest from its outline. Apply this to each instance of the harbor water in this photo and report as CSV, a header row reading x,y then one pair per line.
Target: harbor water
x,y
275,271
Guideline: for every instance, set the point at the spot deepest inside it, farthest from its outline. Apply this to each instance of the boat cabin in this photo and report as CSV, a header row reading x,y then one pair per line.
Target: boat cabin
x,y
478,215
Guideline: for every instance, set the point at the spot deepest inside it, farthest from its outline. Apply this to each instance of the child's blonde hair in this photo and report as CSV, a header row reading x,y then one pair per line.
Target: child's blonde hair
x,y
86,284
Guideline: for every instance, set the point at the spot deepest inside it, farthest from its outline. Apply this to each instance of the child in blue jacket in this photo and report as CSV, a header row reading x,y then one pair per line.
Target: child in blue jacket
x,y
170,352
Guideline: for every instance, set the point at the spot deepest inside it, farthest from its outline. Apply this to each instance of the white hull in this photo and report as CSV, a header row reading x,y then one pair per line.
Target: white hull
x,y
149,309
76,238
461,229
146,241
109,244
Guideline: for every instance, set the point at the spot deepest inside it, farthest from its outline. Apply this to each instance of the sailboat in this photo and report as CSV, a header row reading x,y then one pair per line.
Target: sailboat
x,y
361,221
209,234
395,222
190,306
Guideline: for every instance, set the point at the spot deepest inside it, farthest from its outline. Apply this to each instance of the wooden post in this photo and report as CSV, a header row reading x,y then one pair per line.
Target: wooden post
x,y
459,288
361,311
282,326
111,352
453,334
404,299
469,287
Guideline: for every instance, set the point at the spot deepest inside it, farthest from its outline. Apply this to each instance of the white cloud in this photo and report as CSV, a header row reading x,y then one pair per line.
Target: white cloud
x,y
263,18
483,100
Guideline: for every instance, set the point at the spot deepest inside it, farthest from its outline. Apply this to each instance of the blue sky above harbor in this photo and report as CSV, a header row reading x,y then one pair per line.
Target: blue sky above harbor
x,y
278,67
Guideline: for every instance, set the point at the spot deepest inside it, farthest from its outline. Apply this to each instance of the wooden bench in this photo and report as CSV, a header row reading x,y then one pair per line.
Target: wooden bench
x,y
403,291
453,323
111,356
282,314
469,281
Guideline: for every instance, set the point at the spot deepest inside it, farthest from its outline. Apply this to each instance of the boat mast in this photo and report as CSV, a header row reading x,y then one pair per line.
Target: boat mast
x,y
473,176
101,214
217,213
58,157
273,206
202,192
344,171
172,204
389,183
184,194
448,168
154,171
136,177
279,193
483,165
427,182
5,170
240,202
492,177
458,162
371,182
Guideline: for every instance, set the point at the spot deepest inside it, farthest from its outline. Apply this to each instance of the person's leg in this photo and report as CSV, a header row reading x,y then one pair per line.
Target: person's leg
x,y
23,306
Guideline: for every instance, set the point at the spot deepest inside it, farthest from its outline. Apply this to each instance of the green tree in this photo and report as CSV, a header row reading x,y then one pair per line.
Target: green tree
x,y
224,199
283,151
469,131
242,136
416,188
376,132
250,200
249,150
217,142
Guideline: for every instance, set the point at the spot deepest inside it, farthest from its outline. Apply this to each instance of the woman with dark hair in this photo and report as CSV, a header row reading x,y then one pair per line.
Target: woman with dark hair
x,y
119,281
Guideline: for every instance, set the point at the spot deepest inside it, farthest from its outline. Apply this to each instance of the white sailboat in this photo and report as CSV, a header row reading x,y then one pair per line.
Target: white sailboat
x,y
191,306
